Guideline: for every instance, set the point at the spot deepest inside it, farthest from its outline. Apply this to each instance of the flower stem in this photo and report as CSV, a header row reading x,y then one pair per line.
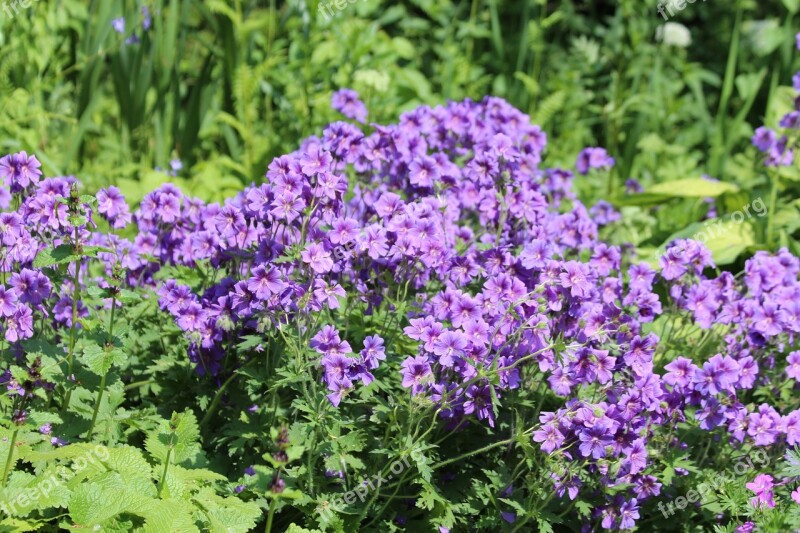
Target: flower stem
x,y
109,347
72,332
166,466
10,457
268,527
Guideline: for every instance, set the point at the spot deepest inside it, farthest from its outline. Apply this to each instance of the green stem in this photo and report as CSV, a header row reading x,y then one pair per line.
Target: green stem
x,y
10,457
109,347
166,466
72,331
773,197
218,396
268,527
474,452
97,405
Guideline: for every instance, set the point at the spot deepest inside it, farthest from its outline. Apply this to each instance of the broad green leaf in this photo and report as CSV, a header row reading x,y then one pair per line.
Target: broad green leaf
x,y
692,188
725,239
55,256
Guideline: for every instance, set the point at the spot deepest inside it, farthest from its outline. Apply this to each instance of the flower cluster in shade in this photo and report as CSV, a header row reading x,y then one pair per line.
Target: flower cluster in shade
x,y
779,146
504,264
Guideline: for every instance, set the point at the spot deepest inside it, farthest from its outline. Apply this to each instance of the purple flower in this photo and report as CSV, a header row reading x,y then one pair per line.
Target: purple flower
x,y
576,279
593,158
347,102
265,282
19,170
792,368
111,204
550,438
8,302
762,487
19,326
416,373
318,258
373,351
594,440
449,346
764,138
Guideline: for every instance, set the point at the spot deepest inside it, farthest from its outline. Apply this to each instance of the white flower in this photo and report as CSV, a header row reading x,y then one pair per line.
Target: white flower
x,y
674,34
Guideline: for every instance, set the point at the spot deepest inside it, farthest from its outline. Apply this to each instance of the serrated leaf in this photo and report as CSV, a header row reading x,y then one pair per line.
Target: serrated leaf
x,y
99,359
181,435
55,256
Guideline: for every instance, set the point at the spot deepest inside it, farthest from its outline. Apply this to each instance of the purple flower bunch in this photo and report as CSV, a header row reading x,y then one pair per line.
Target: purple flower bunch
x,y
778,147
505,286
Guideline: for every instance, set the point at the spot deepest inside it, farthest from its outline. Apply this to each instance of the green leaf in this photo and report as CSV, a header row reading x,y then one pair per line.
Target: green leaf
x,y
55,256
725,239
181,434
692,188
91,504
227,515
100,359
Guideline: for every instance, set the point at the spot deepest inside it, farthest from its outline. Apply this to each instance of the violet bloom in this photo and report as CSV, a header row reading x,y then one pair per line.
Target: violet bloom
x,y
340,390
593,158
796,495
550,437
111,204
265,282
318,258
762,487
336,368
718,374
448,346
373,351
328,294
595,439
792,368
764,426
347,102
416,373
19,326
147,20
479,401
8,301
628,514
423,172
637,456
20,170
575,279
764,138
118,24
192,317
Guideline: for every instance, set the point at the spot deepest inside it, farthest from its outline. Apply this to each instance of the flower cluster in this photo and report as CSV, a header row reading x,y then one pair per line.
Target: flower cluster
x,y
778,147
512,287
